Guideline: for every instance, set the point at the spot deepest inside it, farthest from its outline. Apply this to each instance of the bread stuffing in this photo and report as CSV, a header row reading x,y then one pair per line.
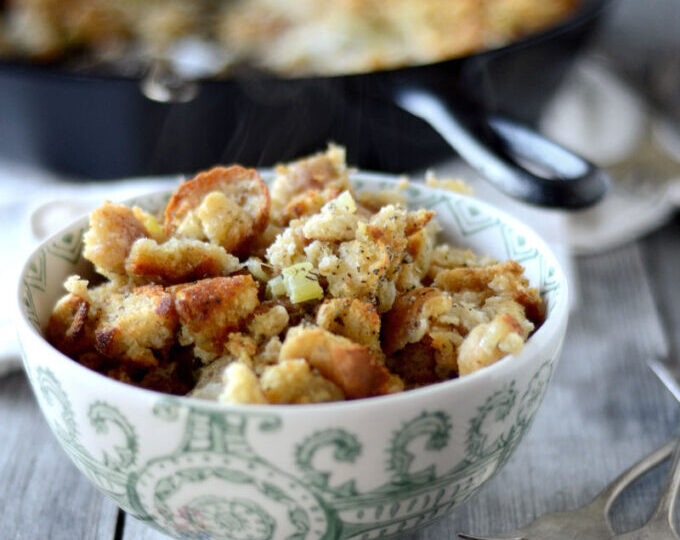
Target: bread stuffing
x,y
302,291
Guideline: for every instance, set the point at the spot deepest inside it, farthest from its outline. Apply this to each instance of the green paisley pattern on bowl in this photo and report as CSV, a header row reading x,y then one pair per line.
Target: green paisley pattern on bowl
x,y
243,494
272,503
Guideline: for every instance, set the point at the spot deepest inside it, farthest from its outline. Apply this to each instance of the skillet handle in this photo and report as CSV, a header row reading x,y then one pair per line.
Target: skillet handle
x,y
515,159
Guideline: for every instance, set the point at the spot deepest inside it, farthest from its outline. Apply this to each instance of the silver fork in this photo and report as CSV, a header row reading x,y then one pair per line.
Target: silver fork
x,y
661,525
590,522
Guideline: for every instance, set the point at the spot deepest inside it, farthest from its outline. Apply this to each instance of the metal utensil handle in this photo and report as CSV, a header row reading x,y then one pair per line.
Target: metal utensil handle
x,y
665,508
607,497
517,160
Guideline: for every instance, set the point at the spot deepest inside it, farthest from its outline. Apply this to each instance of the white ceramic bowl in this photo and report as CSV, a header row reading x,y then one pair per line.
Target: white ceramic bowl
x,y
359,469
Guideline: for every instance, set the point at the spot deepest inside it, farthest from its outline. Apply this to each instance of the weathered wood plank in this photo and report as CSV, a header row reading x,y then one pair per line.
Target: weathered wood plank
x,y
43,495
662,255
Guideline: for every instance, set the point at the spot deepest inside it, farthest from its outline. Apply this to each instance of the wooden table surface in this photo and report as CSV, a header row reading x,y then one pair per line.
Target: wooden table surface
x,y
603,411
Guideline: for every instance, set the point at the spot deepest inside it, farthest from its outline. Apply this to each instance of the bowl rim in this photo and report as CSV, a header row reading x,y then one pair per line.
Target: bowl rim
x,y
548,331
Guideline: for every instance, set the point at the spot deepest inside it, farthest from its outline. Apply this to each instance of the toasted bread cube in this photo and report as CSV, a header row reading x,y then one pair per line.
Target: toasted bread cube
x,y
336,221
233,218
410,316
293,381
357,270
68,329
417,220
211,309
489,342
78,286
502,280
108,241
446,257
353,367
242,347
241,385
178,260
268,321
305,204
419,249
288,247
301,188
136,326
71,325
352,318
479,278
224,222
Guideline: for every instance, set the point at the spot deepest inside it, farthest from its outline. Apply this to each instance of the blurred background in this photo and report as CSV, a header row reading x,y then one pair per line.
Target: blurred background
x,y
102,89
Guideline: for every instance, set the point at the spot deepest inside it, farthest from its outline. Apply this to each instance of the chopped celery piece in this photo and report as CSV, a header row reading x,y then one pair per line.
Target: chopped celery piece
x,y
151,224
302,283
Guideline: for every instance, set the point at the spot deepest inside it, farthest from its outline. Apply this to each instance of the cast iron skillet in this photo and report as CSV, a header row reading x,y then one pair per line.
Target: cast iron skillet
x,y
103,127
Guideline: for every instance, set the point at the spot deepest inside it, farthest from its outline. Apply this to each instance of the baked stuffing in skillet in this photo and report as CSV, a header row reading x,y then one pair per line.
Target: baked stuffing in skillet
x,y
290,38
